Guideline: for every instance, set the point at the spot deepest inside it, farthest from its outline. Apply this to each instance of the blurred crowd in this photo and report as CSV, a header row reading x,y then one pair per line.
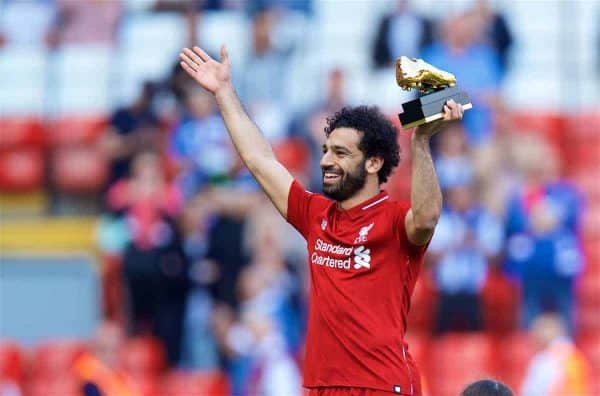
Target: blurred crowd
x,y
196,256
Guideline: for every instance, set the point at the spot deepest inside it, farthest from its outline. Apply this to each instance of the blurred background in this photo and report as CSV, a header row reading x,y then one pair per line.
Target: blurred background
x,y
139,257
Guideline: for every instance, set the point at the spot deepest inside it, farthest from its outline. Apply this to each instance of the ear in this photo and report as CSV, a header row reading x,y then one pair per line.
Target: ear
x,y
373,164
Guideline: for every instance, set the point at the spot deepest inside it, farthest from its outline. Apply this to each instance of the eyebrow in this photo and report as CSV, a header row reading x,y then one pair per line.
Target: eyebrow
x,y
337,148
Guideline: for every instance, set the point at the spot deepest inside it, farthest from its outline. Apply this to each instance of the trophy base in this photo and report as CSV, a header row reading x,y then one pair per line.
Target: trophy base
x,y
430,107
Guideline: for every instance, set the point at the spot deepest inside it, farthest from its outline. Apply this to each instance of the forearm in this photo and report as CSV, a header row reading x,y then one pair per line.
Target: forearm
x,y
426,195
254,149
245,135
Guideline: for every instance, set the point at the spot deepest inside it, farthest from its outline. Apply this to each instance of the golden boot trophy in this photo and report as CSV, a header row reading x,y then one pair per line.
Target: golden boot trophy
x,y
436,87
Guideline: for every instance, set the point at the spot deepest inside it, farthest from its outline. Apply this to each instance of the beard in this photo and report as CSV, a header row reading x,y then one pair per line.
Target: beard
x,y
348,184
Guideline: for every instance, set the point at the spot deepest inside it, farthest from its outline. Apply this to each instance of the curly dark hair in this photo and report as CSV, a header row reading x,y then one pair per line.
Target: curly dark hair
x,y
379,136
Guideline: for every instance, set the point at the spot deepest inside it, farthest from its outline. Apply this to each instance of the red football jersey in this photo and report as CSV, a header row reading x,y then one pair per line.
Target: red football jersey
x,y
363,271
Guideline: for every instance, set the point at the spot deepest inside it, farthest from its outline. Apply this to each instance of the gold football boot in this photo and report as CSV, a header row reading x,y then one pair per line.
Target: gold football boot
x,y
414,73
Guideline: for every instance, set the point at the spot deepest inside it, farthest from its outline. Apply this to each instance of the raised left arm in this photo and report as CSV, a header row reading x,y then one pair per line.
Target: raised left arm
x,y
425,194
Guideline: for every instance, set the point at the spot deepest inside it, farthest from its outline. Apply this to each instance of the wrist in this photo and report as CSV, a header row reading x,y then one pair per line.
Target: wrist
x,y
428,129
420,138
224,90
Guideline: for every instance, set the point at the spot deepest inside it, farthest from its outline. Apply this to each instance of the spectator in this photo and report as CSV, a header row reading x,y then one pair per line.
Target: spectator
x,y
154,265
85,22
258,351
543,228
200,146
274,371
263,83
132,130
559,368
185,5
401,32
277,290
97,370
467,240
452,161
311,124
476,67
497,32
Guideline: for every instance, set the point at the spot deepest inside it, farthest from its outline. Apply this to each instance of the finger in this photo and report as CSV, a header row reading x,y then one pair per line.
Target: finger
x,y
447,113
188,69
461,111
193,65
224,55
203,55
453,106
455,114
193,56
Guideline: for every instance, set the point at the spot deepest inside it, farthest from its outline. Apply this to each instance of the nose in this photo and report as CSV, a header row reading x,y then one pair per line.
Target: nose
x,y
326,160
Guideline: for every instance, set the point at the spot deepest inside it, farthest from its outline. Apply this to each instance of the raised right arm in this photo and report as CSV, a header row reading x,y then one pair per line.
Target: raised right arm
x,y
253,148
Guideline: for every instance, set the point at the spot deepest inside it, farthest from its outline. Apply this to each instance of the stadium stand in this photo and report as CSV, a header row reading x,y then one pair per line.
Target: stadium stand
x,y
55,106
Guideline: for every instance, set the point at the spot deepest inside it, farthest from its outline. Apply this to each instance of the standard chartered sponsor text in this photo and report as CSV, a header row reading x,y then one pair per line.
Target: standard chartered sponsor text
x,y
327,261
322,246
331,248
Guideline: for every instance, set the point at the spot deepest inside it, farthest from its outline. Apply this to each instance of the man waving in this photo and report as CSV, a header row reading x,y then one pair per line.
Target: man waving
x,y
365,250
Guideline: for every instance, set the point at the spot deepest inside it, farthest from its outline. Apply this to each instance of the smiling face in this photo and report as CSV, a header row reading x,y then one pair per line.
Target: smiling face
x,y
343,164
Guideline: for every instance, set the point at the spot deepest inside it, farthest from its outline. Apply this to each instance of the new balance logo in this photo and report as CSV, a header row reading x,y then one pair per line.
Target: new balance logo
x,y
362,258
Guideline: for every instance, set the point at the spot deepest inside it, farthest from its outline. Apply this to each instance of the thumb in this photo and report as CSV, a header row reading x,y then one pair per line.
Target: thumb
x,y
224,55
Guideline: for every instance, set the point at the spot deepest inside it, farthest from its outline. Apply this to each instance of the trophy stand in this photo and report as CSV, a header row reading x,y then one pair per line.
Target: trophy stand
x,y
430,107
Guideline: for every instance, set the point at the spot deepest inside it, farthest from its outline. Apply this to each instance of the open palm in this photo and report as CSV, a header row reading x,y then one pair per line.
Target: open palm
x,y
209,73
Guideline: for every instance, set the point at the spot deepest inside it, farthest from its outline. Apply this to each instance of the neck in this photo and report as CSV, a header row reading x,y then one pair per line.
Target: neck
x,y
370,189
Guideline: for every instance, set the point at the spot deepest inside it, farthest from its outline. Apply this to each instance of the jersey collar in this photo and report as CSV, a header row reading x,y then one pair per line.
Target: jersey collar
x,y
355,211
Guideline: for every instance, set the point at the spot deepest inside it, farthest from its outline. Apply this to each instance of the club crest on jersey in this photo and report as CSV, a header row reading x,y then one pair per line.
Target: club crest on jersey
x,y
324,224
363,233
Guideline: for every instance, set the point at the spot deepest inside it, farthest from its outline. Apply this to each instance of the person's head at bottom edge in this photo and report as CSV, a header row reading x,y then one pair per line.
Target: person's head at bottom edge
x,y
487,387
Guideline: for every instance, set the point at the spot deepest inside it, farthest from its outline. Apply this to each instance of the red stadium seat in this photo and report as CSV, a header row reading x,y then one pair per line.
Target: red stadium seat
x,y
142,356
55,359
21,170
423,306
590,347
588,298
588,289
293,154
144,385
586,125
11,362
79,169
196,383
513,353
457,359
551,126
589,183
75,130
588,319
591,221
418,347
585,155
501,303
21,132
54,386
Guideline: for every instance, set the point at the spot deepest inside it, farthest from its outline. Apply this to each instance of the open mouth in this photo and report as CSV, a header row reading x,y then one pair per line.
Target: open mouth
x,y
330,177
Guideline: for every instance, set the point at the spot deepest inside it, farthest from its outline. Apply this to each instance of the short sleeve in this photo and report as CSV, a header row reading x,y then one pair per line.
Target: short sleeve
x,y
302,206
400,229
